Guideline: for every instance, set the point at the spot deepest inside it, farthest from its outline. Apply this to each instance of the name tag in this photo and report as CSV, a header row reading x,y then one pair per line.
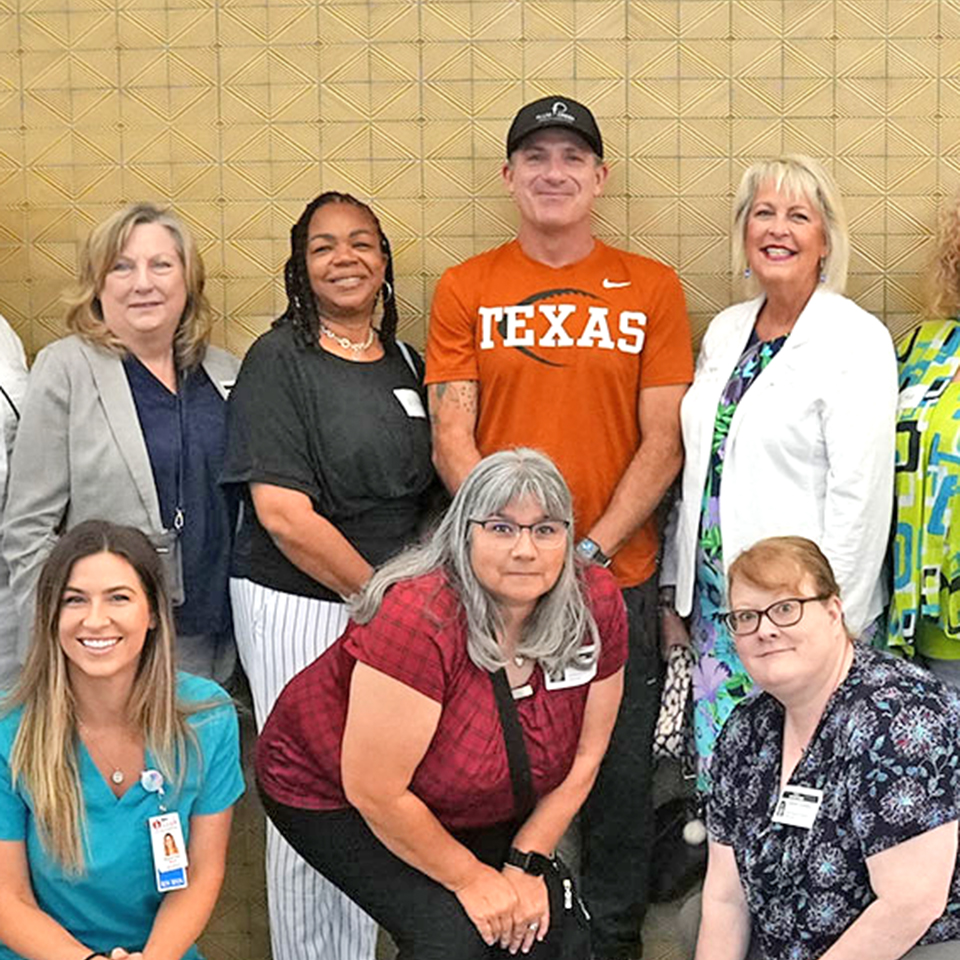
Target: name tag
x,y
798,806
911,397
169,852
411,402
572,676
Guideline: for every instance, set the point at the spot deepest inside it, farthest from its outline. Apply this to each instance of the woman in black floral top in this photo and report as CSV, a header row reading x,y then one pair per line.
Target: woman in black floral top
x,y
836,794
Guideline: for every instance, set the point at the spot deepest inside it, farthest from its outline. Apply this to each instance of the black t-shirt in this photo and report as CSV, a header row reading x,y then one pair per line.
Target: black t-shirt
x,y
354,437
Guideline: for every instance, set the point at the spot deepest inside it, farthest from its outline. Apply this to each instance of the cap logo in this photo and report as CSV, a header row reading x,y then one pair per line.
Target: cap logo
x,y
558,111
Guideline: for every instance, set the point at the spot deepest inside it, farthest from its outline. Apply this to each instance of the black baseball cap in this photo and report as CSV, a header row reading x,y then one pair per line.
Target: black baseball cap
x,y
555,112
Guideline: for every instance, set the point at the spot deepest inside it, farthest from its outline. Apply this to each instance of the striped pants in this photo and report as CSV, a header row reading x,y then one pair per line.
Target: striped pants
x,y
278,634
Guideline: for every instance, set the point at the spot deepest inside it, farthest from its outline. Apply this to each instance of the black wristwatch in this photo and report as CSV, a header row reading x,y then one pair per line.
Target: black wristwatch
x,y
590,551
536,864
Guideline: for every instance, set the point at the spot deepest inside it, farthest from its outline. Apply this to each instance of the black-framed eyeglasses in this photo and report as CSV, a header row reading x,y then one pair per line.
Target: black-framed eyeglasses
x,y
783,613
548,534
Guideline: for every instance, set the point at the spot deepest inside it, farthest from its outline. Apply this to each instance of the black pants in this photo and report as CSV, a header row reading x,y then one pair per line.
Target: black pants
x,y
617,827
425,920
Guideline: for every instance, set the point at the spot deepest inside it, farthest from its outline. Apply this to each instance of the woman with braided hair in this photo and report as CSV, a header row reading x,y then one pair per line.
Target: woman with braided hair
x,y
329,444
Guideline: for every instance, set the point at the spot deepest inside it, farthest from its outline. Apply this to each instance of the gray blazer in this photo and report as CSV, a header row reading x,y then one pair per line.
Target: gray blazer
x,y
79,455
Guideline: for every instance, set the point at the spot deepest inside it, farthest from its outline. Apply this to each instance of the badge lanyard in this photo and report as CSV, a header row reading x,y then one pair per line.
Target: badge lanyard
x,y
178,516
166,838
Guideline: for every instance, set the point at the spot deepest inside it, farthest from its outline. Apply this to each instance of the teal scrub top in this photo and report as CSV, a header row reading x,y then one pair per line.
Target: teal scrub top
x,y
114,903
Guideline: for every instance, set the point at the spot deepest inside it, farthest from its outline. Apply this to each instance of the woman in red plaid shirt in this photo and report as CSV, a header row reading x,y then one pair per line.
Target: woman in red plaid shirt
x,y
384,764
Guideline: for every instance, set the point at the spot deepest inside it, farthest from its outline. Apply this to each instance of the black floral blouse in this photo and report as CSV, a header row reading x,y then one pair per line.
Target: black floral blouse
x,y
886,756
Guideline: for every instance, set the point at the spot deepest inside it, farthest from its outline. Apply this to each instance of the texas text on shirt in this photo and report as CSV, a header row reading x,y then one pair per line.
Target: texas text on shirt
x,y
561,355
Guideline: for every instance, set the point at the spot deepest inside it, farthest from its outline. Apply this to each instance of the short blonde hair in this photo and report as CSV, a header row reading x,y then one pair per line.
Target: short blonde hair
x,y
783,563
97,257
797,176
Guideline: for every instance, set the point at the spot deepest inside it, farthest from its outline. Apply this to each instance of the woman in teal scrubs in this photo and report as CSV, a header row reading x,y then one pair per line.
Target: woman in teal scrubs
x,y
104,748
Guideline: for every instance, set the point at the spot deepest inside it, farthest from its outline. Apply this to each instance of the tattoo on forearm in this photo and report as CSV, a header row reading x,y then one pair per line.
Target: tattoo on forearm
x,y
461,395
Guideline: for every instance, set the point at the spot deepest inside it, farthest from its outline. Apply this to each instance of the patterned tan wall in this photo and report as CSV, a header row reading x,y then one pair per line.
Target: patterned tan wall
x,y
238,112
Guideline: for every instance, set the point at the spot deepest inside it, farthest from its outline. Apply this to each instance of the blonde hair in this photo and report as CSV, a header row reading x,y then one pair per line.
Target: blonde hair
x,y
44,756
783,562
97,257
943,282
797,176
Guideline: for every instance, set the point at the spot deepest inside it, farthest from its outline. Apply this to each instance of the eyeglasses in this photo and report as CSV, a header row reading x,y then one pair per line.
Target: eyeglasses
x,y
783,613
548,534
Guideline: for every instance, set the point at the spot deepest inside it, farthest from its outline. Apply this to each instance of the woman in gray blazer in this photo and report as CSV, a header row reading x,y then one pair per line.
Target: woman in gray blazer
x,y
124,420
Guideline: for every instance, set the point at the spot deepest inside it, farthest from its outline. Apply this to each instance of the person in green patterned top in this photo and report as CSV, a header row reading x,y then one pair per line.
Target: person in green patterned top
x,y
925,608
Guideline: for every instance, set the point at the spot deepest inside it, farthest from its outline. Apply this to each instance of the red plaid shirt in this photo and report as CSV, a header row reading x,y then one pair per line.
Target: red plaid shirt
x,y
418,637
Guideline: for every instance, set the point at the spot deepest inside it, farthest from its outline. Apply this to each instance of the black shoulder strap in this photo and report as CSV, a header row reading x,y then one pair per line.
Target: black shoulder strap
x,y
524,799
13,406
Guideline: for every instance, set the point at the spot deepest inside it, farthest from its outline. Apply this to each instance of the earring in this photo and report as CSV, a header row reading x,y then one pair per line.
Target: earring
x,y
387,291
823,272
747,273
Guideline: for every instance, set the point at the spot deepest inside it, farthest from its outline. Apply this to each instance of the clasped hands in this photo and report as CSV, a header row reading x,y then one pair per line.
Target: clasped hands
x,y
508,907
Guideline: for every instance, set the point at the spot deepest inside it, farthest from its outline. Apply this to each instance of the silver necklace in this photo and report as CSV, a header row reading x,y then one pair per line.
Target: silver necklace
x,y
117,776
519,659
346,342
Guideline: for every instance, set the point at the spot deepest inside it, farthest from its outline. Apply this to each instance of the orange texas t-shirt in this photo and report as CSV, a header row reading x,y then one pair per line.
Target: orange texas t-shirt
x,y
560,356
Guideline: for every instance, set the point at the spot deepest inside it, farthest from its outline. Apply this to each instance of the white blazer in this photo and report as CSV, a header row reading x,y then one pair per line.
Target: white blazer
x,y
810,450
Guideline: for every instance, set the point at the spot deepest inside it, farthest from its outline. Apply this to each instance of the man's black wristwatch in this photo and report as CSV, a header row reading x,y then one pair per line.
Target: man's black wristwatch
x,y
536,864
590,551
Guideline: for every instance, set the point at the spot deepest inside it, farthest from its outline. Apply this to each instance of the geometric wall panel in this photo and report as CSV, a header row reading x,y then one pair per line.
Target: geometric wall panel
x,y
237,113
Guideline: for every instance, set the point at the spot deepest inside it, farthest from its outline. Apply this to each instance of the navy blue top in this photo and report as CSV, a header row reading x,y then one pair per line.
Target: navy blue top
x,y
208,511
886,755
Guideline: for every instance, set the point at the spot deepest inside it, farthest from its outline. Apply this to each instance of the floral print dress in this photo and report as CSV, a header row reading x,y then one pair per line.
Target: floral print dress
x,y
886,757
719,679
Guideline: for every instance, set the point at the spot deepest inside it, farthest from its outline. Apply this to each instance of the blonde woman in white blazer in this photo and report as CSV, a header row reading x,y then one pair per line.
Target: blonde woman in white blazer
x,y
789,429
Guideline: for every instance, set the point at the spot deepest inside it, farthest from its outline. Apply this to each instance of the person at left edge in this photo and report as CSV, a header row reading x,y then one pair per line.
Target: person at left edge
x,y
126,418
329,446
560,342
99,703
13,386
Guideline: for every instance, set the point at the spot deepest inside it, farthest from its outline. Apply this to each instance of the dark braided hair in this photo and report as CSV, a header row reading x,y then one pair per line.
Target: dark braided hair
x,y
301,312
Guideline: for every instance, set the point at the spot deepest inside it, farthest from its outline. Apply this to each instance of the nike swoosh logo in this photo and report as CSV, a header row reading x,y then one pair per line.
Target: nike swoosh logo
x,y
614,284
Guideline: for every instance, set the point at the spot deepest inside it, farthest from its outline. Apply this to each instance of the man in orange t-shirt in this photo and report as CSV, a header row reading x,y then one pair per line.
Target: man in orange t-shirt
x,y
560,342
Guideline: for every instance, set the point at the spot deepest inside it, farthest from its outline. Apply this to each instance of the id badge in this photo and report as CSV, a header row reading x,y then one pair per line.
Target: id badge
x,y
167,545
169,852
572,676
411,402
911,397
798,806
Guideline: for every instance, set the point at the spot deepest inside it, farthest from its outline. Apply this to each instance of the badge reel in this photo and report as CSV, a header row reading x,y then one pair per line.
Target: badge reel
x,y
166,838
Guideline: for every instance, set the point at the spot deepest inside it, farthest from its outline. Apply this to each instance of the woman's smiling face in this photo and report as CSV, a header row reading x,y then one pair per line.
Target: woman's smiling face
x,y
104,617
345,264
786,660
784,239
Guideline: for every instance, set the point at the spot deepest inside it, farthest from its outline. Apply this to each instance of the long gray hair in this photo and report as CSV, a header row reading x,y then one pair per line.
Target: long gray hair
x,y
561,621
